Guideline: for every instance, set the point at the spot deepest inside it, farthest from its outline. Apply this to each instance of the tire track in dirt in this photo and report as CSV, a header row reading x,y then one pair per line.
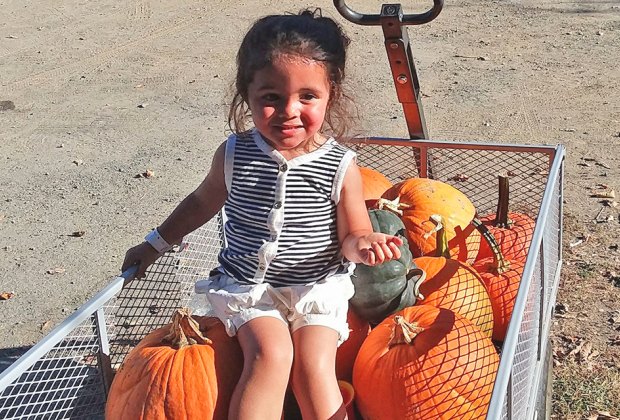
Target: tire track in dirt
x,y
58,77
114,54
59,19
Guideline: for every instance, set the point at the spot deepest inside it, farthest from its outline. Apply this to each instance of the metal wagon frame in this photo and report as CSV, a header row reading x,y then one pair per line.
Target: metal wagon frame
x,y
67,374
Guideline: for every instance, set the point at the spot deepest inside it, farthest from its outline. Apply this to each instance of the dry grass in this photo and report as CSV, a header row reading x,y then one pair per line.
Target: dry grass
x,y
580,393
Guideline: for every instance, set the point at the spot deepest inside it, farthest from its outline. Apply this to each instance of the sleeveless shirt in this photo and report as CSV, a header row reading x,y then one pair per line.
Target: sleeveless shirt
x,y
280,215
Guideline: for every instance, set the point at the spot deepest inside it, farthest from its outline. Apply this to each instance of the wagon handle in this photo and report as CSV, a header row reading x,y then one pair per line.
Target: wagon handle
x,y
375,20
393,21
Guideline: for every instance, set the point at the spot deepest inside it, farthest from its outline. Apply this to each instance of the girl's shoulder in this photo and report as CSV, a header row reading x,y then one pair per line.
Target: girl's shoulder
x,y
338,146
245,136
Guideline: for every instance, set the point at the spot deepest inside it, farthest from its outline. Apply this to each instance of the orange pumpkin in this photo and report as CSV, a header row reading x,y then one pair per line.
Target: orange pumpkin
x,y
347,352
417,199
513,231
374,184
501,278
187,370
454,285
425,363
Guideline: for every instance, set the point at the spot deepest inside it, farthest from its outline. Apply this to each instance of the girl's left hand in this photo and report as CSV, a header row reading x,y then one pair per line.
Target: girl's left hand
x,y
377,248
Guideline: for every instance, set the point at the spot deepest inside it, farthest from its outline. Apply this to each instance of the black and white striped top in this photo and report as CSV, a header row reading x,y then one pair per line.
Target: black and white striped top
x,y
280,216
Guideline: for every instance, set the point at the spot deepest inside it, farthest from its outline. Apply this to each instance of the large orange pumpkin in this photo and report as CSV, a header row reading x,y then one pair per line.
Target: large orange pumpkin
x,y
347,352
374,184
417,199
513,231
186,370
454,285
425,363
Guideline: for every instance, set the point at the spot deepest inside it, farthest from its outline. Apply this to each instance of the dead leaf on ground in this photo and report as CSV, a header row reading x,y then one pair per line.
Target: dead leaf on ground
x,y
6,295
578,241
459,177
603,164
583,352
56,270
602,415
46,325
78,233
561,308
604,194
89,359
7,106
146,174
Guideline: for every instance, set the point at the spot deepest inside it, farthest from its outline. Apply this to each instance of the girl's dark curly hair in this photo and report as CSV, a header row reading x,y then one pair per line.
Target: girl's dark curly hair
x,y
308,35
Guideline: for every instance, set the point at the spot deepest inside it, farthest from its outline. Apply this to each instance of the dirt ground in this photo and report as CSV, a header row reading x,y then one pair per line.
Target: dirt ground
x,y
94,94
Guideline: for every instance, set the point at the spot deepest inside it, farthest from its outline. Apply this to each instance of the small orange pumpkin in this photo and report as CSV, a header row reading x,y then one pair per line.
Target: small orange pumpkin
x,y
417,199
425,363
374,184
187,370
501,278
347,352
454,285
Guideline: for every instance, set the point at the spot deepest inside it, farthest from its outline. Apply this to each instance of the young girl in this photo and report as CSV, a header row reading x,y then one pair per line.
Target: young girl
x,y
295,219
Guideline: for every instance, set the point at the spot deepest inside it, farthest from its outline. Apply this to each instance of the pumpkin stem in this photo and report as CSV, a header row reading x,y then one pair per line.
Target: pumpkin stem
x,y
406,333
416,283
395,206
501,214
500,264
443,249
184,330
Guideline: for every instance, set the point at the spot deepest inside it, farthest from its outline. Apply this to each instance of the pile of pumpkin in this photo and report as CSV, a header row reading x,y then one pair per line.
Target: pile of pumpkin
x,y
424,328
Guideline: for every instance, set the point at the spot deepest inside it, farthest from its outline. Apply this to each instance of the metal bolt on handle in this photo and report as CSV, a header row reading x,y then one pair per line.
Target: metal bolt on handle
x,y
406,19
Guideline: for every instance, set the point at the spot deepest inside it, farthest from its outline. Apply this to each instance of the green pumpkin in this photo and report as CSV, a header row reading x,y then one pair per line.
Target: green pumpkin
x,y
386,288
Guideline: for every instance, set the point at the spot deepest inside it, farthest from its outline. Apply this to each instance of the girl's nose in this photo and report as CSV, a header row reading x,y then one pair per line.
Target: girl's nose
x,y
289,108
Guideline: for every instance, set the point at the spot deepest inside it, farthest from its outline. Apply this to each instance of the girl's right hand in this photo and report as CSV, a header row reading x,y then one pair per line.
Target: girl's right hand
x,y
143,255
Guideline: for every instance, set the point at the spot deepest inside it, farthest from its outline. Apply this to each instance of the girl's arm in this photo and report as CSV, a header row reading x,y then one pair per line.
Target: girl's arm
x,y
200,205
359,243
194,211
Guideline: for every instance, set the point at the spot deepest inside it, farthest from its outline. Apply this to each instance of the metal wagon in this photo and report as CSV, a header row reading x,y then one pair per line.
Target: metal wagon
x,y
67,374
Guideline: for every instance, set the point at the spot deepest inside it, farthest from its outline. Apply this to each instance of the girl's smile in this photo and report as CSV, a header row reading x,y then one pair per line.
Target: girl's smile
x,y
288,100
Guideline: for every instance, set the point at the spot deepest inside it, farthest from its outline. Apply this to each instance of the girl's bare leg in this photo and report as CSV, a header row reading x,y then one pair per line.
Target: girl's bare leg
x,y
268,356
314,373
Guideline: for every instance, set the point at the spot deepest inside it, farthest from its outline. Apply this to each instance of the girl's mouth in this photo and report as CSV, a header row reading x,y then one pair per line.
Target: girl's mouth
x,y
289,128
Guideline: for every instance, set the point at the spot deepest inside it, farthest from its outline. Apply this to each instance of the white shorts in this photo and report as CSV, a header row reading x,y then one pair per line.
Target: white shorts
x,y
324,303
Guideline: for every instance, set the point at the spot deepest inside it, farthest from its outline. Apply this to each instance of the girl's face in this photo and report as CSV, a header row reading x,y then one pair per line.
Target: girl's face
x,y
288,100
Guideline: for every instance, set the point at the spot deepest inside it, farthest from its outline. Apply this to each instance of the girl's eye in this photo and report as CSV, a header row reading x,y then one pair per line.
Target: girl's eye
x,y
270,97
308,97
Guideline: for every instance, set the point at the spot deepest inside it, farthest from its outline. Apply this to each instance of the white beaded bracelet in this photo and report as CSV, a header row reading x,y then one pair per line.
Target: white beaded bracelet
x,y
157,242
